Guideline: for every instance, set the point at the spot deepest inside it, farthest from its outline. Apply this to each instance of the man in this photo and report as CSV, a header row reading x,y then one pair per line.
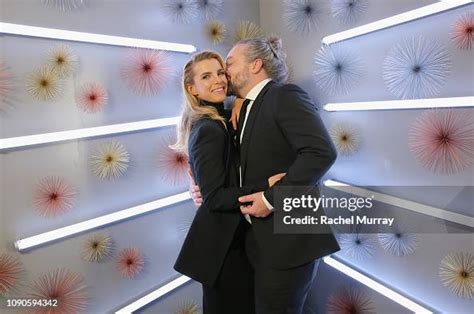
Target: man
x,y
279,131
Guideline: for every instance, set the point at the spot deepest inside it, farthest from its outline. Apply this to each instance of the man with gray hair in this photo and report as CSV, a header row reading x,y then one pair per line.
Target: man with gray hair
x,y
279,130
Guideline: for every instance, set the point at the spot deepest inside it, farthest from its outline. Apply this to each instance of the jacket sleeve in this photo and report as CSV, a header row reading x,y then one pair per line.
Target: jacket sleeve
x,y
298,118
207,149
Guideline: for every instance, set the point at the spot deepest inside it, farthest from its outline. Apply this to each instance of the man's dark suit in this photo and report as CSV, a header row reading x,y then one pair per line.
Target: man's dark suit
x,y
284,133
213,251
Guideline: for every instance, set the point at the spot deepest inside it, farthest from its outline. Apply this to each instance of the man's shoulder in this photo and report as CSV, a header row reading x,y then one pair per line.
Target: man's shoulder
x,y
285,88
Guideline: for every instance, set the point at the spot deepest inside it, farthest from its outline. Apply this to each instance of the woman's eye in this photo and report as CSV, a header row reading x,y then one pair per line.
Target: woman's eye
x,y
205,77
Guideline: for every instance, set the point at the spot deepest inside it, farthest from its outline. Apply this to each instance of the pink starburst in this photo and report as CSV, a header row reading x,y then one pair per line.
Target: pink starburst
x,y
10,272
443,141
348,301
53,196
130,262
146,71
92,97
65,286
462,32
6,85
173,165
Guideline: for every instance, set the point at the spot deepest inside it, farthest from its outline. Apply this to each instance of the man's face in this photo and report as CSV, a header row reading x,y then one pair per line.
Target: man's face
x,y
238,70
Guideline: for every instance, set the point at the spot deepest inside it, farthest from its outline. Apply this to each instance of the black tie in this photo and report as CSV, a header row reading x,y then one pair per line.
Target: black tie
x,y
242,114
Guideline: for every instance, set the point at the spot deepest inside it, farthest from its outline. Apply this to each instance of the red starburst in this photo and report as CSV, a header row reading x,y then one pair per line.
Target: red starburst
x,y
348,301
92,97
130,262
65,286
443,141
173,165
462,32
10,272
146,71
53,196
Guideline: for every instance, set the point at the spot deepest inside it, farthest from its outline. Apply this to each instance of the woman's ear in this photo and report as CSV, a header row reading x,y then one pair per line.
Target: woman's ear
x,y
192,90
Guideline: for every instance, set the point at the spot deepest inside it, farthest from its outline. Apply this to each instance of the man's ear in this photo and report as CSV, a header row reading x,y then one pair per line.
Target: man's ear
x,y
257,65
192,90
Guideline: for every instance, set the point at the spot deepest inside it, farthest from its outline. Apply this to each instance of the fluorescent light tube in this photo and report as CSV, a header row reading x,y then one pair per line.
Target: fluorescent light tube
x,y
54,137
53,33
154,295
399,202
31,242
452,102
378,287
405,17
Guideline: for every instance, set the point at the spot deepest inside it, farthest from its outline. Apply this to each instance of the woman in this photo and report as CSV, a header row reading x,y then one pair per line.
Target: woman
x,y
213,251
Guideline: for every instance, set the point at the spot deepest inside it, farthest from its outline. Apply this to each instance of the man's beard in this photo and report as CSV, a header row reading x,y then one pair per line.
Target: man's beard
x,y
234,90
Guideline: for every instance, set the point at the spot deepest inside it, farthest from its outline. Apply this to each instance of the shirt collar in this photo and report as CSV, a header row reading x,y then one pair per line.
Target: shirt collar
x,y
252,95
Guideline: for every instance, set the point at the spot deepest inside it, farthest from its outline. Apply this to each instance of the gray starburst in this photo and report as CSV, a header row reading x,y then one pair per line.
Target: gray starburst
x,y
416,68
209,9
302,16
181,11
337,70
65,5
357,245
399,243
348,11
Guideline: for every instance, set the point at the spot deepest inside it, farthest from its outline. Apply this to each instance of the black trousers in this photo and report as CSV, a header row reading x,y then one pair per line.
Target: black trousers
x,y
279,291
234,291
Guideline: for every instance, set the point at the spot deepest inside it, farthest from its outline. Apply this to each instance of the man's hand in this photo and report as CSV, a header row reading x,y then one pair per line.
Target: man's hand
x,y
194,190
257,208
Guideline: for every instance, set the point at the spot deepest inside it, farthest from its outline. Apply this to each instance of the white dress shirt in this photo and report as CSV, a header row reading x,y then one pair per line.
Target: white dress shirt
x,y
252,95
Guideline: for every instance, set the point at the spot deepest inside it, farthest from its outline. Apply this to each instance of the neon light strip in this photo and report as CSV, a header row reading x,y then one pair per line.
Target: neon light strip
x,y
52,33
101,221
394,20
54,137
453,102
399,202
154,295
376,286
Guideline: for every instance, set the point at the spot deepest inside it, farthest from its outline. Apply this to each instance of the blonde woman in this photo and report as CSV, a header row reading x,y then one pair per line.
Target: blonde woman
x,y
213,252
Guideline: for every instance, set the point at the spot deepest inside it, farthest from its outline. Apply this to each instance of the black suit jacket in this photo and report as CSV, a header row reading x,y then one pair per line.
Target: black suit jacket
x,y
211,157
284,133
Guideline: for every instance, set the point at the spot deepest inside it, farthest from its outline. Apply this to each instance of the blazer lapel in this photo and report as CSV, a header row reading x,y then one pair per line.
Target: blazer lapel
x,y
249,127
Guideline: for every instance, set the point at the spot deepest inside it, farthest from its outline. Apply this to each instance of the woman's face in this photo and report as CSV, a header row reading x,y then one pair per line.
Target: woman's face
x,y
209,81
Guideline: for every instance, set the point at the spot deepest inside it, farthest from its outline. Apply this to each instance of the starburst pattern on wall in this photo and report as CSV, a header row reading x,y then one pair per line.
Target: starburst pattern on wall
x,y
346,138
348,11
443,140
398,243
357,245
462,32
181,11
110,160
44,84
209,9
97,248
53,196
6,84
63,61
65,5
91,97
456,271
11,271
130,262
247,30
173,165
337,70
188,307
215,31
65,286
146,71
416,68
348,301
302,16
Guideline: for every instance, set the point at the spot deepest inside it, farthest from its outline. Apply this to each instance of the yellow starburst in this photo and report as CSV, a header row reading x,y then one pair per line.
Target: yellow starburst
x,y
247,30
63,61
457,274
97,248
216,31
189,307
44,84
346,138
110,160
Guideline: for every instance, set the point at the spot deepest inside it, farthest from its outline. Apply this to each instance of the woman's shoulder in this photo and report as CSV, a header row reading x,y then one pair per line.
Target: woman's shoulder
x,y
207,127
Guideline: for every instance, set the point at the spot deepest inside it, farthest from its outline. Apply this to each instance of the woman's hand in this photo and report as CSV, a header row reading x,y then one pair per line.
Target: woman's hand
x,y
275,178
236,106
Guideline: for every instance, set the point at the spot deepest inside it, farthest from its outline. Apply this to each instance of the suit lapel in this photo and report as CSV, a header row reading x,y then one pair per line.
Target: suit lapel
x,y
249,127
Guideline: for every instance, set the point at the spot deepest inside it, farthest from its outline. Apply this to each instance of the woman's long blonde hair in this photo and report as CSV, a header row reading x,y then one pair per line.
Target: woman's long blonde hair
x,y
192,108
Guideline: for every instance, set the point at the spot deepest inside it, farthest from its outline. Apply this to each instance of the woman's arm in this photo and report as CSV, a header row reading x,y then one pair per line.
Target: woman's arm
x,y
207,149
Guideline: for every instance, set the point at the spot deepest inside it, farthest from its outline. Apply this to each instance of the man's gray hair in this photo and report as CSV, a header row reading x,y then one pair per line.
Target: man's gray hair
x,y
272,55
